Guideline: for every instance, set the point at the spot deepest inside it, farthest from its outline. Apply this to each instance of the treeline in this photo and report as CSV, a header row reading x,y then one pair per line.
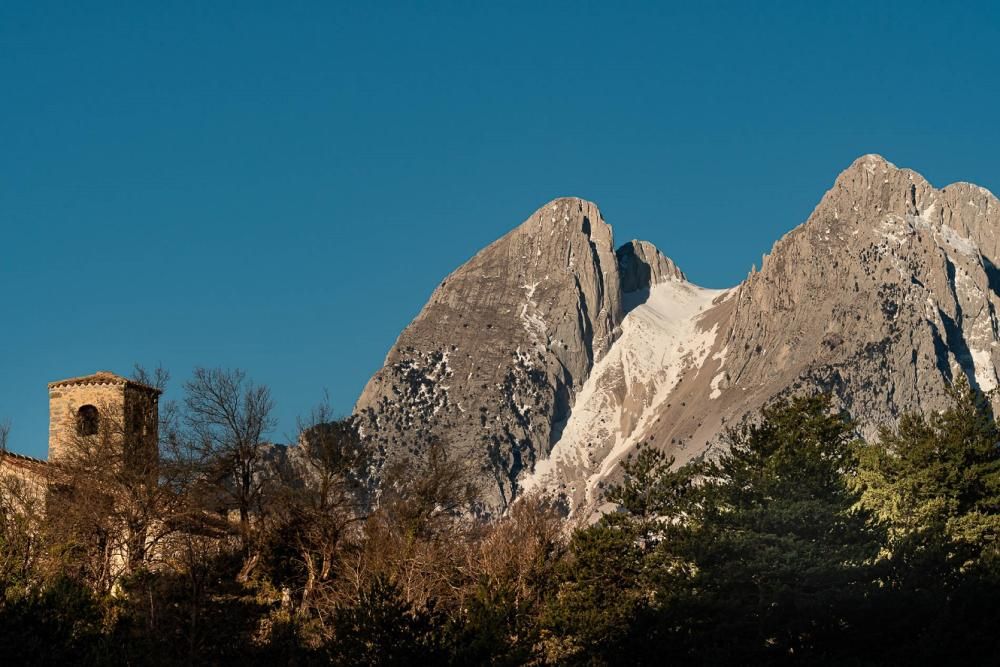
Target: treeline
x,y
799,543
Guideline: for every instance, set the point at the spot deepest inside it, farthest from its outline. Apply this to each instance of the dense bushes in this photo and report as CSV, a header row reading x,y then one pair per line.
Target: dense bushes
x,y
798,544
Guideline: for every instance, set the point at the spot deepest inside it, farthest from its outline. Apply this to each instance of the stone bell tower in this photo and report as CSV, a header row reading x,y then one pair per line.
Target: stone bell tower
x,y
114,410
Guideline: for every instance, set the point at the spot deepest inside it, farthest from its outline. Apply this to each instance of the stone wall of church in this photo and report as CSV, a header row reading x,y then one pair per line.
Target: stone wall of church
x,y
65,402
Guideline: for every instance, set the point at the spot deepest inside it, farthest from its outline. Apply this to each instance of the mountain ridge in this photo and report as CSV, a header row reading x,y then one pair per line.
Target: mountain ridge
x,y
882,296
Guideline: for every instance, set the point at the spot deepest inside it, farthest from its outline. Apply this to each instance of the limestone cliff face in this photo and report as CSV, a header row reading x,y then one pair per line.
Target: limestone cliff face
x,y
493,362
549,356
883,296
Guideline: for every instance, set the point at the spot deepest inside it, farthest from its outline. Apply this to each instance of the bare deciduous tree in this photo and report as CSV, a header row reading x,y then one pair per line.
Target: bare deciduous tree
x,y
156,378
415,536
21,511
228,416
322,500
517,554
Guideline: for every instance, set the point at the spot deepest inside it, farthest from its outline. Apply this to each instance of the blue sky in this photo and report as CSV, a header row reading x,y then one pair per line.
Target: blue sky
x,y
279,187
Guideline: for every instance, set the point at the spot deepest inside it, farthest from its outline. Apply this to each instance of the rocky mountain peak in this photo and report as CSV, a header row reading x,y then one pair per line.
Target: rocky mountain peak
x,y
493,362
873,186
884,295
642,266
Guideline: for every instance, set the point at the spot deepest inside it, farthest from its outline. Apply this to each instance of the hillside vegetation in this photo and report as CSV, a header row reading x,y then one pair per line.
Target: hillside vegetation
x,y
799,544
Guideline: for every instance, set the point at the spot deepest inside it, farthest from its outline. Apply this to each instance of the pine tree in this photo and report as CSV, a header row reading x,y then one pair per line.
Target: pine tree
x,y
937,478
604,609
782,556
935,482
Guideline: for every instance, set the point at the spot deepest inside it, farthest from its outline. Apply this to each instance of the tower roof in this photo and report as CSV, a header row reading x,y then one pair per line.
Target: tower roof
x,y
23,459
103,378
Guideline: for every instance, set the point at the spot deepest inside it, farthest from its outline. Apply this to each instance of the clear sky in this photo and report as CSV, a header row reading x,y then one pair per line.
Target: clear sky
x,y
279,187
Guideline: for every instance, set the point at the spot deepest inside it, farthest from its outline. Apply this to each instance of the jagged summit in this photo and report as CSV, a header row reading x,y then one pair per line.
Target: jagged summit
x,y
872,172
875,165
562,210
570,201
870,161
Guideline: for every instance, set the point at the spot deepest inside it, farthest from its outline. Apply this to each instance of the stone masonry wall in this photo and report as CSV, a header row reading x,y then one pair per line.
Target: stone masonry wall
x,y
66,400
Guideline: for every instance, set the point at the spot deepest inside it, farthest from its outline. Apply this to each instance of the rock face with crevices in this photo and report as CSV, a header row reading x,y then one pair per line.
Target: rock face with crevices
x,y
883,296
493,362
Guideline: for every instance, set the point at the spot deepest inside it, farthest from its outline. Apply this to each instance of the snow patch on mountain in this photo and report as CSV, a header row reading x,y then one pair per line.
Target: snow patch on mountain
x,y
661,339
985,371
959,242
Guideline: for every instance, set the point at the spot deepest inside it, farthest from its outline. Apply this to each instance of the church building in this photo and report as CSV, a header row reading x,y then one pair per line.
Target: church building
x,y
103,409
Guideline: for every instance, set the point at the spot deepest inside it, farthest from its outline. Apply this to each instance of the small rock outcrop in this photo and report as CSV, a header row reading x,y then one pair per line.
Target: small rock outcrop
x,y
643,266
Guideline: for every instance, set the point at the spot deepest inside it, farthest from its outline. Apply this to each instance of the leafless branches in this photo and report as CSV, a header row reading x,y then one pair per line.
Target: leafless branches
x,y
156,378
110,505
228,415
321,502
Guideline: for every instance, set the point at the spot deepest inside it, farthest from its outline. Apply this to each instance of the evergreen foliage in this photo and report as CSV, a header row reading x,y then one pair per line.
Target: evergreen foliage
x,y
783,558
934,480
